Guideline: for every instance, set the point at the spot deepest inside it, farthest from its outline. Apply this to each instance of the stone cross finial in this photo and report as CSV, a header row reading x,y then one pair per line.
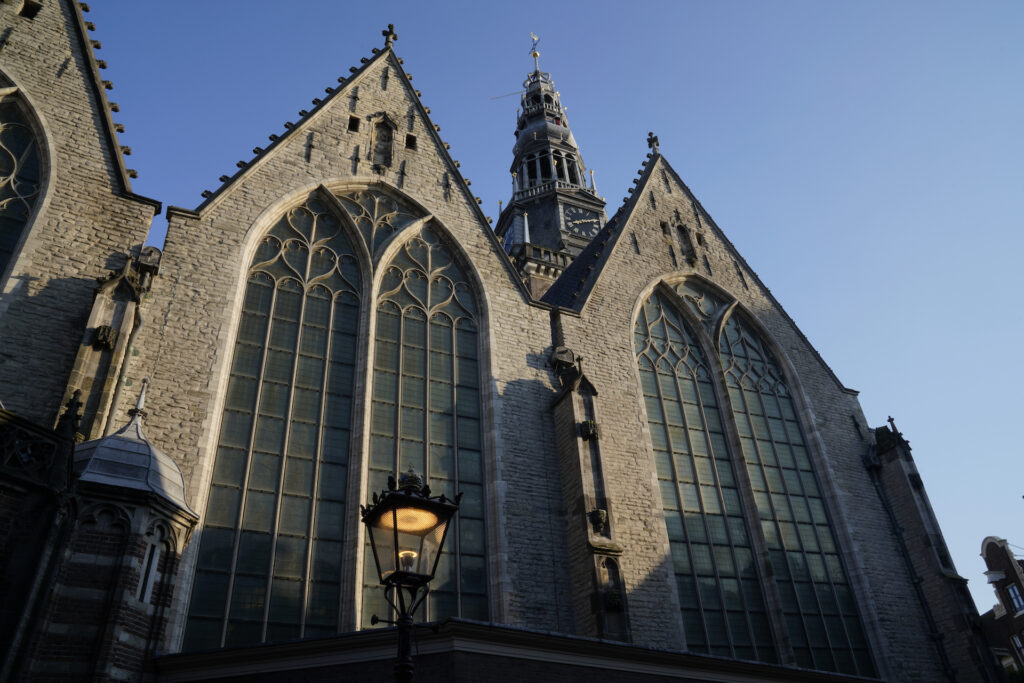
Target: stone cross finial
x,y
652,141
389,36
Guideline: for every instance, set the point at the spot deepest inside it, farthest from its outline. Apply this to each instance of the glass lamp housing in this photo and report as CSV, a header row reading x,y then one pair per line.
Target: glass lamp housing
x,y
407,531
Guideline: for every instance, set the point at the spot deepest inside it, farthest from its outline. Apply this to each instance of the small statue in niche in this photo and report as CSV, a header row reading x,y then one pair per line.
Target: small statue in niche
x,y
71,419
104,337
568,366
383,136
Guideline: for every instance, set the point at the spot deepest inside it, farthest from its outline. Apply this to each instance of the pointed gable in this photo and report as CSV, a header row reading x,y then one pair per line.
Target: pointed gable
x,y
364,133
669,230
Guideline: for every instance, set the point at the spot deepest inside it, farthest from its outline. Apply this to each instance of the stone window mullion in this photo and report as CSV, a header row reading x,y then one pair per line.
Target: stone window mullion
x,y
248,465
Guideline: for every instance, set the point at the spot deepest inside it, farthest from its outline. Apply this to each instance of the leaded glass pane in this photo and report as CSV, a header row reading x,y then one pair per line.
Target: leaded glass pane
x,y
426,393
283,446
811,585
705,544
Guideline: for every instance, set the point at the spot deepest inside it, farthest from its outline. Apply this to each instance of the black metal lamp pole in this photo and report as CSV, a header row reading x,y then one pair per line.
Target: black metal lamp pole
x,y
407,529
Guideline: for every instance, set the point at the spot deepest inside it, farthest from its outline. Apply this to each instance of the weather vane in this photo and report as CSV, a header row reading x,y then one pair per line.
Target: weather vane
x,y
533,51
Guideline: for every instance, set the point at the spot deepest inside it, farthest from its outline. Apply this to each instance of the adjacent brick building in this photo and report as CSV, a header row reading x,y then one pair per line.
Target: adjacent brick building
x,y
661,478
1004,623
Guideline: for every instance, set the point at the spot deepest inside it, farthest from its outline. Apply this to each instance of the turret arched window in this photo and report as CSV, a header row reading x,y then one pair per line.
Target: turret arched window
x,y
20,173
559,161
426,412
269,565
571,163
531,169
702,487
544,160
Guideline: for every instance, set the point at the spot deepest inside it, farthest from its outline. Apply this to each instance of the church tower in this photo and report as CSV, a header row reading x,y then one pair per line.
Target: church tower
x,y
553,212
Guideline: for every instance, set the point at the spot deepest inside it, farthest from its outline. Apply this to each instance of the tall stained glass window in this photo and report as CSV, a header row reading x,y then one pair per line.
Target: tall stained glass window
x,y
820,613
721,582
720,592
269,565
426,413
20,175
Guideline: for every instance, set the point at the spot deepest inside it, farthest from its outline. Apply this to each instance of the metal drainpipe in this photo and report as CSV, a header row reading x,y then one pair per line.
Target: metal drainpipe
x,y
874,468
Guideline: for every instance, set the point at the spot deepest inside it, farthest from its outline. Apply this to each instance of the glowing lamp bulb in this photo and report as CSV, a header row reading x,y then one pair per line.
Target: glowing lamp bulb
x,y
407,558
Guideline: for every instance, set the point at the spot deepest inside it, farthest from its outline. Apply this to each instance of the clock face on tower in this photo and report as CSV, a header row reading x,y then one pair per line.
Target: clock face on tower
x,y
582,222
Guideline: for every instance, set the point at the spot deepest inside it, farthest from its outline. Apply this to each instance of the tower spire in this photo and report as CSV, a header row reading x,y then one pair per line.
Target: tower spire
x,y
549,183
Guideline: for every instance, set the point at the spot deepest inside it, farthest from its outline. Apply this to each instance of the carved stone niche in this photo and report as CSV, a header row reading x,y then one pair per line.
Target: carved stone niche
x,y
382,141
610,600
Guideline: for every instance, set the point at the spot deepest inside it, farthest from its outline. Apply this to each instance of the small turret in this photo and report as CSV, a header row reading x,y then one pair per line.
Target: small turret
x,y
121,560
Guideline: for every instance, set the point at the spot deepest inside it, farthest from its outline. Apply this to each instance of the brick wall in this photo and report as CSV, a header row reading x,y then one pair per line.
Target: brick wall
x,y
85,217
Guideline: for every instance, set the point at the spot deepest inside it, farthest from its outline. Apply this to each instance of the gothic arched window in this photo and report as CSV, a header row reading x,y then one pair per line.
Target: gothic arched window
x,y
818,606
20,174
720,592
426,412
269,565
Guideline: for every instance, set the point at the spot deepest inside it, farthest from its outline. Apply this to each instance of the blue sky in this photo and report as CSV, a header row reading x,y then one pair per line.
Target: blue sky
x,y
864,157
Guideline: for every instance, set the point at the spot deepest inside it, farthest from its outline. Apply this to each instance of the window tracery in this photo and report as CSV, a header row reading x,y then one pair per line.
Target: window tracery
x,y
269,564
707,307
377,215
20,175
426,411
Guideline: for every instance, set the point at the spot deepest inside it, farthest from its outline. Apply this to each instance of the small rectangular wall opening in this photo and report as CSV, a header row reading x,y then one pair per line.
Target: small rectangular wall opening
x,y
30,8
410,141
353,123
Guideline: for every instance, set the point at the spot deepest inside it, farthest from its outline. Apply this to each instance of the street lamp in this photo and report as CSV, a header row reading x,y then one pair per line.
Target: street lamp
x,y
407,530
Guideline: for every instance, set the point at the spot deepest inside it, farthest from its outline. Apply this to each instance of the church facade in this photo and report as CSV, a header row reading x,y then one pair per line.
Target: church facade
x,y
661,478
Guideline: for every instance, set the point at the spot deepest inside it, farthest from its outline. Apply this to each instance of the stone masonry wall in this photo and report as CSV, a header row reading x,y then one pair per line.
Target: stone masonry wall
x,y
955,617
85,217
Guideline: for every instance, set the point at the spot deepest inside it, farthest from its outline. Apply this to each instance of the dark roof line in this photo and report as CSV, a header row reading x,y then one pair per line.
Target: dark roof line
x,y
99,87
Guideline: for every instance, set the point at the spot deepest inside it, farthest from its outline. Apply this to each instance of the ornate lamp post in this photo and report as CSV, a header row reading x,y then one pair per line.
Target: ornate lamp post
x,y
407,530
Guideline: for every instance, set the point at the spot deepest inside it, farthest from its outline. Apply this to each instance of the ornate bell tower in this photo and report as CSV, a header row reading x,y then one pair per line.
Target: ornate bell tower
x,y
553,212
